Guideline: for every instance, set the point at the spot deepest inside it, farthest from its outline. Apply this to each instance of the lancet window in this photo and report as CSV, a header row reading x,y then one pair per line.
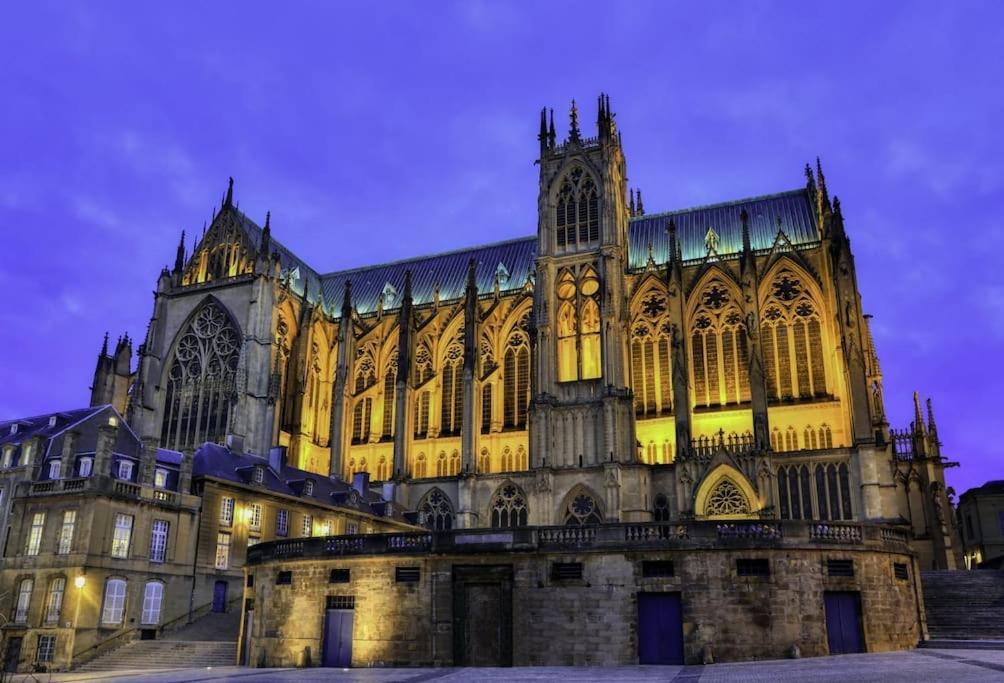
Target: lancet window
x,y
577,216
719,348
651,374
508,507
484,461
436,510
422,415
486,407
421,466
201,382
389,396
516,380
361,415
579,326
660,511
791,338
819,491
452,397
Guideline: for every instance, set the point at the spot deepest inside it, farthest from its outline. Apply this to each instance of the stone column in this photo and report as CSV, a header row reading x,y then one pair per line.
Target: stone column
x,y
470,363
405,341
681,393
107,433
148,461
346,351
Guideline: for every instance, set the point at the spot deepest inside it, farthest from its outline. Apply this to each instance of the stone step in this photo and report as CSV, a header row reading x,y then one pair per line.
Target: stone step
x,y
165,654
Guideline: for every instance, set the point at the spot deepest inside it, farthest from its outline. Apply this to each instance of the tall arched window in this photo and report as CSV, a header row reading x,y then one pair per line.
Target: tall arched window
x,y
442,465
484,461
660,512
577,217
719,348
582,509
516,380
361,414
508,464
486,407
382,469
508,506
436,510
833,492
201,381
791,338
365,371
389,404
452,404
113,608
651,373
420,466
794,492
579,355
313,389
153,595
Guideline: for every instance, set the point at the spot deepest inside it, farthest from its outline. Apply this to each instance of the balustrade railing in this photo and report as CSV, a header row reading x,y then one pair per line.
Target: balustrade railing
x,y
836,533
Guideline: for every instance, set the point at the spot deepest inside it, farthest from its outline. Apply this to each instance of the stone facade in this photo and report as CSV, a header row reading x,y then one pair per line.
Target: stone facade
x,y
592,620
981,521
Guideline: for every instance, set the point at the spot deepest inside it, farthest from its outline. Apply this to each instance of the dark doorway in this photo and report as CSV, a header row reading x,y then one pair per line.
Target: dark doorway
x,y
12,655
220,596
843,622
338,621
660,628
148,634
482,615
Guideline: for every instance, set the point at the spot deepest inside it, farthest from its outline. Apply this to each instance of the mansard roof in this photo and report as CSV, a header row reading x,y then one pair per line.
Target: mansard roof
x,y
447,271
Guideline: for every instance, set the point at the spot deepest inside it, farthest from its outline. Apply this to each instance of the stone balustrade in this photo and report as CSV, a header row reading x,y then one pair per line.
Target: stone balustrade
x,y
101,485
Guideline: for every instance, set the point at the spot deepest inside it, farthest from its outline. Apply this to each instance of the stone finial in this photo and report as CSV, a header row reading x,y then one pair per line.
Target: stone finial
x,y
573,128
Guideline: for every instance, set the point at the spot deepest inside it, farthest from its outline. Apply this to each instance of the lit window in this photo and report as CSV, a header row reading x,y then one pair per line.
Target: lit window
x,y
160,478
85,466
282,523
259,475
26,453
153,596
227,511
54,467
114,606
125,470
46,649
158,540
254,521
308,525
35,534
579,327
308,488
66,532
222,550
325,528
577,210
23,601
54,603
8,456
122,536
351,528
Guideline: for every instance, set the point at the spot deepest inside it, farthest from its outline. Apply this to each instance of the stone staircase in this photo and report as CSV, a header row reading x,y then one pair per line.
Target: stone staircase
x,y
964,605
210,641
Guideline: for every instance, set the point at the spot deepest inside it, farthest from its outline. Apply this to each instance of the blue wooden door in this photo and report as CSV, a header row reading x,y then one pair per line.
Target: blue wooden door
x,y
220,596
843,622
660,628
338,638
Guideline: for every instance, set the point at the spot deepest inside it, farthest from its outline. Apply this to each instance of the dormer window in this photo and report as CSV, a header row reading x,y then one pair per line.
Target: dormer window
x,y
8,456
308,488
13,429
125,470
389,295
85,466
52,421
54,467
26,453
258,474
160,478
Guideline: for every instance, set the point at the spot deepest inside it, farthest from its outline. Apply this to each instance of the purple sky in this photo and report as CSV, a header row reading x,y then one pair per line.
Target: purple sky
x,y
378,135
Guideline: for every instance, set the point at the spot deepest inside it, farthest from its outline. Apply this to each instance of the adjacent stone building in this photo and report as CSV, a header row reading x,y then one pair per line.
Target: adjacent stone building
x,y
981,520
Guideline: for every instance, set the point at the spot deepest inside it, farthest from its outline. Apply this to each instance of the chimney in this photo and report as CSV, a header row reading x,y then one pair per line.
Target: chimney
x,y
389,492
361,482
105,444
277,458
235,443
70,440
147,461
185,474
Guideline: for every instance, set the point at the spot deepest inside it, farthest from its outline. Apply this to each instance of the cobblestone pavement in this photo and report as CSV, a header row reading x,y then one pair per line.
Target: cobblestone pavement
x,y
914,666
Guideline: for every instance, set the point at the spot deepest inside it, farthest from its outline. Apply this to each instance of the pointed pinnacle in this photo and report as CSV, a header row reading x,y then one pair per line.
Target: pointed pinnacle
x,y
573,116
104,346
229,199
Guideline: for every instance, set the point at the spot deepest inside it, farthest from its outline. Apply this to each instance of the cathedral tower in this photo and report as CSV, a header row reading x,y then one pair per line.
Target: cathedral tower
x,y
583,412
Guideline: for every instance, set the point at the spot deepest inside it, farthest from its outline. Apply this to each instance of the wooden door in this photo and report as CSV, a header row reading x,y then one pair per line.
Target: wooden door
x,y
482,615
843,622
660,628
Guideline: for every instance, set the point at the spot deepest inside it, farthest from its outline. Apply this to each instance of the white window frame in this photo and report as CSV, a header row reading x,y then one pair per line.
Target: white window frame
x,y
308,526
34,544
122,536
66,530
258,474
153,599
282,523
325,528
160,478
226,511
23,603
54,469
54,600
46,648
113,605
86,466
125,470
223,541
159,531
308,487
254,518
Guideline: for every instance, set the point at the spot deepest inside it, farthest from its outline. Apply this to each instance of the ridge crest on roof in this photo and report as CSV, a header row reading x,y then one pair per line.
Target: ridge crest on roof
x,y
720,205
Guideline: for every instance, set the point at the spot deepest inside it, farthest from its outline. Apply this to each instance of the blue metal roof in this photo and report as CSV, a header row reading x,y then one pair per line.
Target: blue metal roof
x,y
448,271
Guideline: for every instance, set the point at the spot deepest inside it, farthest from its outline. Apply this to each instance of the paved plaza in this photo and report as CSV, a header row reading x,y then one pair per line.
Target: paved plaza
x,y
914,666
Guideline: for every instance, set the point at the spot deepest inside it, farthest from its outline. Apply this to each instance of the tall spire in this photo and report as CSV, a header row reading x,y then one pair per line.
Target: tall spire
x,y
640,207
931,426
918,417
104,346
542,136
179,258
573,127
229,199
552,137
631,209
822,197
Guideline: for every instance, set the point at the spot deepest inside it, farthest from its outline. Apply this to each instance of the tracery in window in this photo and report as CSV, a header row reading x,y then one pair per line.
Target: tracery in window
x,y
577,218
382,469
579,326
651,373
833,492
486,407
718,347
422,415
389,397
582,509
423,363
201,386
726,499
660,512
484,461
436,510
452,396
516,380
794,492
361,414
508,506
420,466
442,465
791,338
